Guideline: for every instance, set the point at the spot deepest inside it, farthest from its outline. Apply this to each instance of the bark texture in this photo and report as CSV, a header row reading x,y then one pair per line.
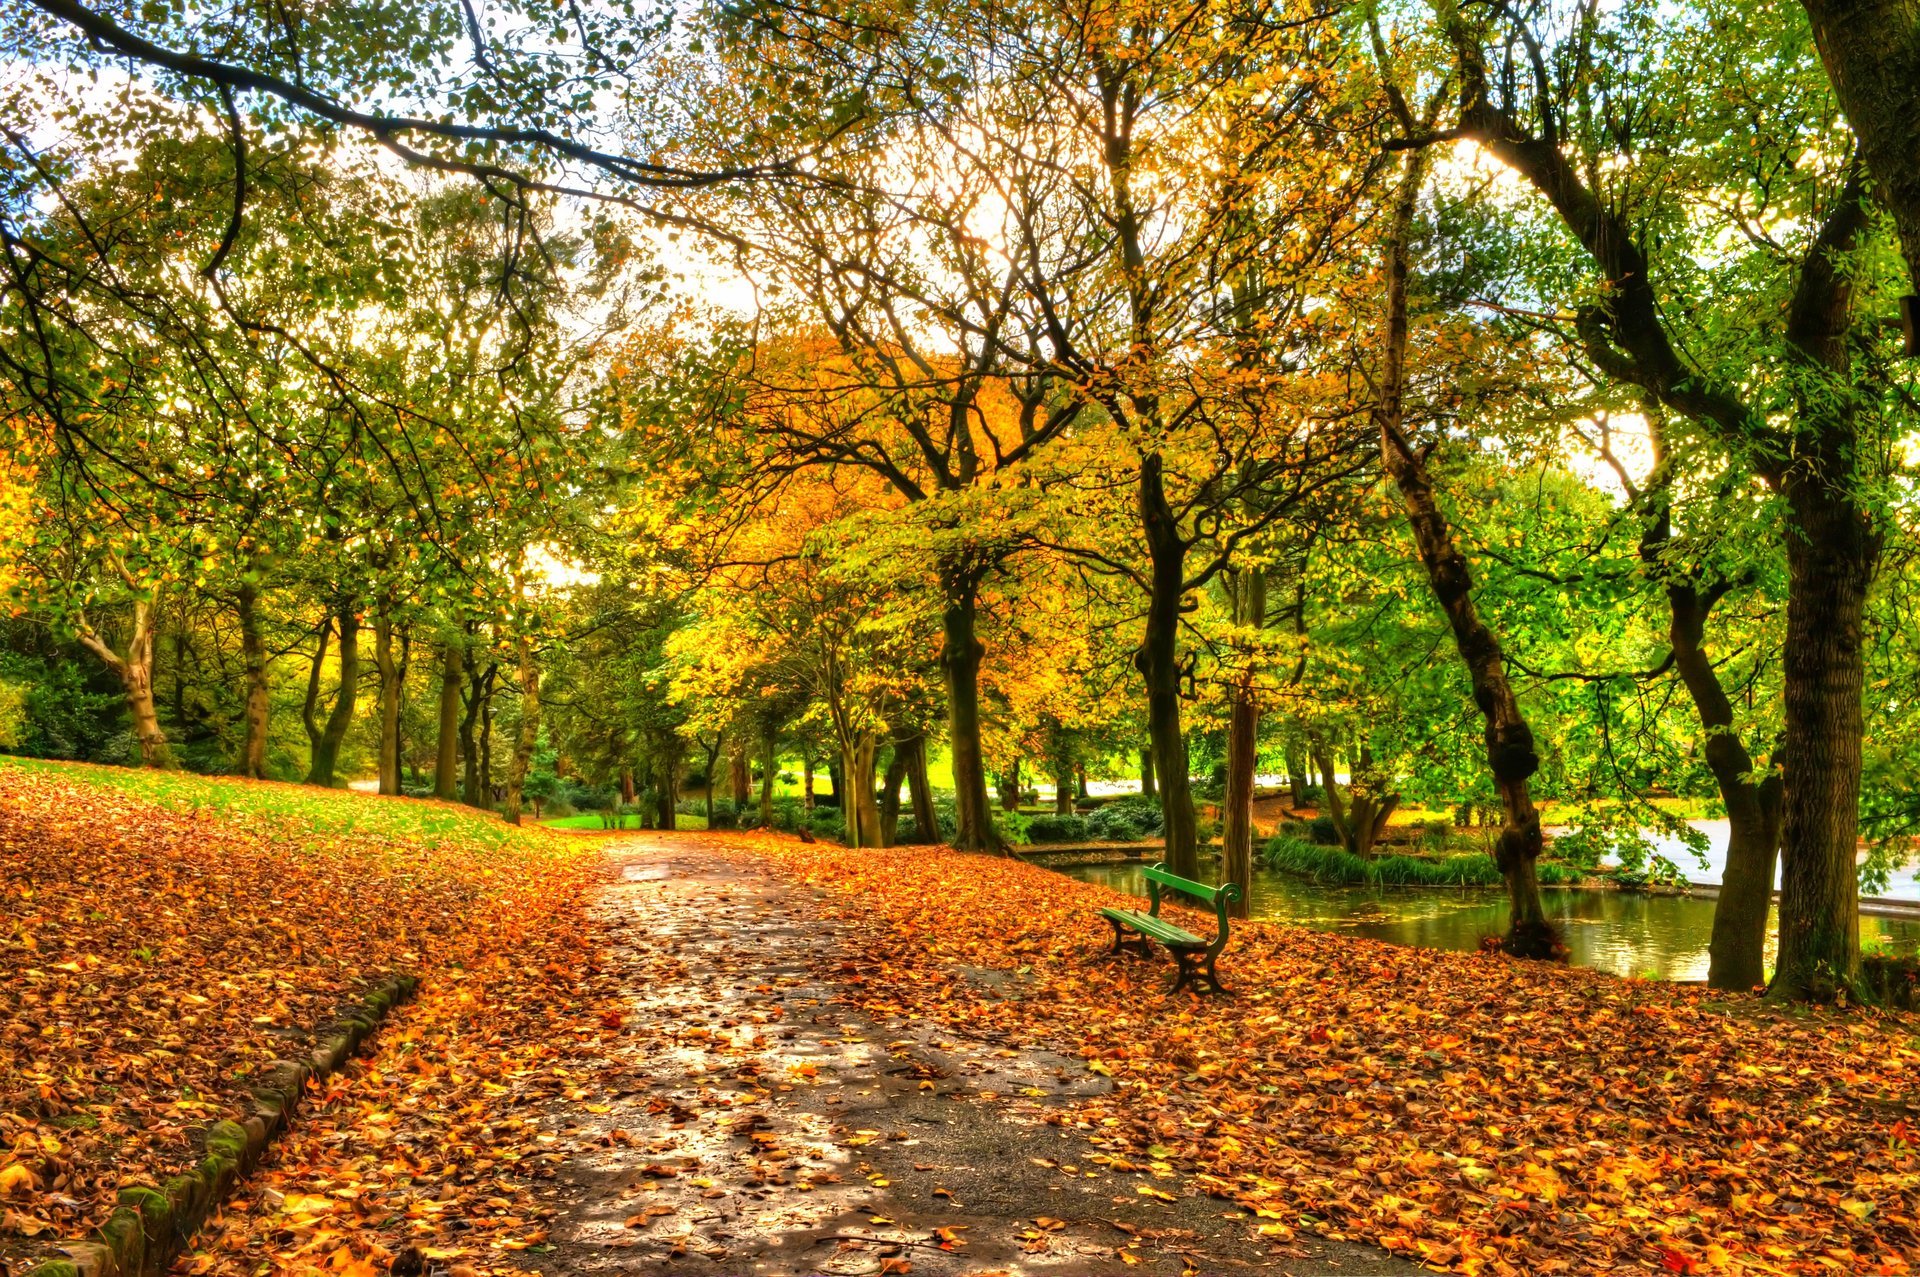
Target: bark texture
x,y
134,669
1509,740
446,753
253,656
960,655
326,740
1871,49
1249,590
1158,661
529,730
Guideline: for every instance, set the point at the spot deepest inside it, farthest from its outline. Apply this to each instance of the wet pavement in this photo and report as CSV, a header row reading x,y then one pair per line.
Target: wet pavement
x,y
748,1123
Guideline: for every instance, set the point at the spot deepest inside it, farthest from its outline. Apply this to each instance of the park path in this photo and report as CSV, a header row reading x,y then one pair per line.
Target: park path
x,y
747,1122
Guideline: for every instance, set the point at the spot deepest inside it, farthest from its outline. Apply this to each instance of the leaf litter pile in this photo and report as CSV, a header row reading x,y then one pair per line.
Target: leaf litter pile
x,y
164,938
1466,1110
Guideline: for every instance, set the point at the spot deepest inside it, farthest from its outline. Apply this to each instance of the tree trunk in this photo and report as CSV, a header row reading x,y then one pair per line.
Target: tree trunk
x,y
740,781
806,780
960,664
926,821
1147,788
135,672
856,790
1249,590
890,793
1063,789
326,746
389,671
253,654
1296,778
529,729
446,758
1158,663
1738,949
486,750
1509,741
1872,53
1831,553
1010,787
769,765
1236,839
479,692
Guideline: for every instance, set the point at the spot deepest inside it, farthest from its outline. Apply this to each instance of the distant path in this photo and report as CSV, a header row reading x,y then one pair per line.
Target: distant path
x,y
752,1124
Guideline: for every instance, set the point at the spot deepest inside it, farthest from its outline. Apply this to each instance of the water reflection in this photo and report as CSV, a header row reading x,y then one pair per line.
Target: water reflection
x,y
1618,931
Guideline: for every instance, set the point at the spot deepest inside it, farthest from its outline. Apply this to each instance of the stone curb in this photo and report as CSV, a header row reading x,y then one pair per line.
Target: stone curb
x,y
152,1226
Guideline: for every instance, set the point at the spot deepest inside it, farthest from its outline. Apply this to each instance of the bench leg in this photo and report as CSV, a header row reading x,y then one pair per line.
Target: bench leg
x,y
1136,945
1195,967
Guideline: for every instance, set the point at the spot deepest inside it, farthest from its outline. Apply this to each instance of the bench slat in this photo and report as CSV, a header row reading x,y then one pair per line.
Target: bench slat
x,y
1156,928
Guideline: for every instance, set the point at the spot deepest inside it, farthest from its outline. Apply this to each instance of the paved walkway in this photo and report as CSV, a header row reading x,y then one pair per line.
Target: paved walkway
x,y
754,1125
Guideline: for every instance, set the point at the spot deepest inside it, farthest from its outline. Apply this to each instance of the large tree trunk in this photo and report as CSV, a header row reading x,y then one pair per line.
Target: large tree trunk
x,y
1147,788
960,664
326,745
856,791
529,730
388,667
253,656
446,756
1833,550
1509,741
1249,589
1158,661
1831,554
1872,52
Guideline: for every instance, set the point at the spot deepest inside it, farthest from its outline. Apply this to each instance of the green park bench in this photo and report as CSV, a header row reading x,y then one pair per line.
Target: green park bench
x,y
1194,956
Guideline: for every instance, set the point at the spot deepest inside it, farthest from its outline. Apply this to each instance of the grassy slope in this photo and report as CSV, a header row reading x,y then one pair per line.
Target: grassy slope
x,y
164,936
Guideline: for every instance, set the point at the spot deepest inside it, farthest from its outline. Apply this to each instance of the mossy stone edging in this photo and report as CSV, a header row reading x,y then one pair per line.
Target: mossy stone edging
x,y
150,1227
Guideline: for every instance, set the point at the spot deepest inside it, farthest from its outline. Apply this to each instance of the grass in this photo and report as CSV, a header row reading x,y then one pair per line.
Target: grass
x,y
1336,865
298,810
591,820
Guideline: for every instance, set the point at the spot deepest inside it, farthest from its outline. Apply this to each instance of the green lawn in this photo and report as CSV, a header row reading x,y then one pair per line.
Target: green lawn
x,y
591,820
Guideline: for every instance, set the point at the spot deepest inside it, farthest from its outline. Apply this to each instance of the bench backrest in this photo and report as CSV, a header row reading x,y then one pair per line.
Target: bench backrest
x,y
1217,898
1159,876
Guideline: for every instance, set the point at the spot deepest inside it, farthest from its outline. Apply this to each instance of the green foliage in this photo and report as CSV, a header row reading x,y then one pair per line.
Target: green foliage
x,y
1126,819
1335,865
1055,828
1013,826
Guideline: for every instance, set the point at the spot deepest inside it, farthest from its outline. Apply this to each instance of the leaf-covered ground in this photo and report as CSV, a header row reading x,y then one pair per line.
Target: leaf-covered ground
x,y
164,937
1476,1113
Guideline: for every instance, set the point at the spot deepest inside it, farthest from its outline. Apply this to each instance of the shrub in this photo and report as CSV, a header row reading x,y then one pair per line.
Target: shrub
x,y
1057,829
725,815
1322,831
585,797
827,822
908,830
1125,819
558,809
1204,831
1013,827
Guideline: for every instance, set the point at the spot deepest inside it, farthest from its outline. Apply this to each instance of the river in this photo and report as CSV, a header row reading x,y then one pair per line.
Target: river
x,y
1628,933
